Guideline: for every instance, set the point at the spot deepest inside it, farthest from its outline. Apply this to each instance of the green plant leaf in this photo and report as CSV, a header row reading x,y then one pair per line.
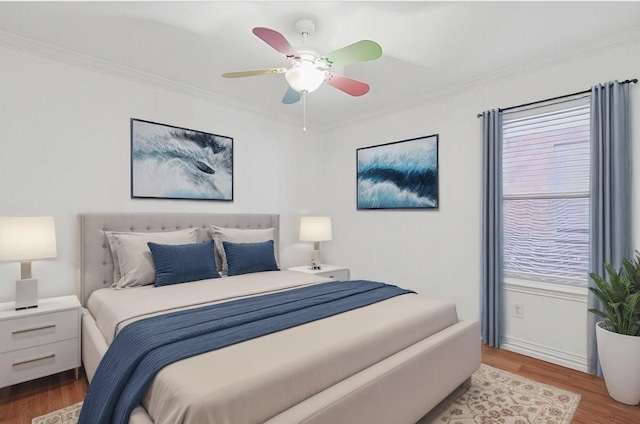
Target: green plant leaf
x,y
619,294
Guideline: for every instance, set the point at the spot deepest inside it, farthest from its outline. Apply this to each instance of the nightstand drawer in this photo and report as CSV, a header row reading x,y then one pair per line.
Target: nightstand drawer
x,y
338,274
36,330
35,362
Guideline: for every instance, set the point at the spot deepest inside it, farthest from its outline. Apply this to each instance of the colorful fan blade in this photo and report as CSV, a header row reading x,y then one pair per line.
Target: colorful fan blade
x,y
291,96
275,40
254,72
348,85
361,51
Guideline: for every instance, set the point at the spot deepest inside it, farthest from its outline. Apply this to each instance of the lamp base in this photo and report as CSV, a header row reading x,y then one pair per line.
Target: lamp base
x,y
26,293
315,259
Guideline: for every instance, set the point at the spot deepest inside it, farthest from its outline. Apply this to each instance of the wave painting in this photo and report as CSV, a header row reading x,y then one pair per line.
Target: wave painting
x,y
178,163
399,175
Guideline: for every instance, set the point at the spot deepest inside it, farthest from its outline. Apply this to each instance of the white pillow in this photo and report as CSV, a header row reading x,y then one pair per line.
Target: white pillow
x,y
133,256
237,235
114,255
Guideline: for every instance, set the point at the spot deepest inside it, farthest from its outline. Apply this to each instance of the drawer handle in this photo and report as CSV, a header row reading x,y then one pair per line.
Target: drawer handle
x,y
26,330
28,361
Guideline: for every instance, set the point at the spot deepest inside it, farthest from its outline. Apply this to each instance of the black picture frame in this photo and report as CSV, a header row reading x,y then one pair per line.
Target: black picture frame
x,y
170,162
398,175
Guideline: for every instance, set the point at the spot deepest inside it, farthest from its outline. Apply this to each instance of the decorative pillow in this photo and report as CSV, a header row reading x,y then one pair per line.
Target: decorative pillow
x,y
181,263
237,235
244,258
134,256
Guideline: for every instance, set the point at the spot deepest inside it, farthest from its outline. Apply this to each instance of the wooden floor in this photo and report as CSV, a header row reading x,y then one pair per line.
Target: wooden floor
x,y
22,402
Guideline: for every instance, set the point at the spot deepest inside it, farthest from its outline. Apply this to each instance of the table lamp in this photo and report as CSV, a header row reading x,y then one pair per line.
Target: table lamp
x,y
25,239
315,229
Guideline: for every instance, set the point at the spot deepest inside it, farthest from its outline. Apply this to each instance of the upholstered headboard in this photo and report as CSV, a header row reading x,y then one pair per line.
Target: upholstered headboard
x,y
95,264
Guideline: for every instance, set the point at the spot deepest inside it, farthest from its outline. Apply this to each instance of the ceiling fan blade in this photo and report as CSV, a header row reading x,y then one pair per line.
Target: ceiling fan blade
x,y
291,96
254,72
275,40
348,85
361,51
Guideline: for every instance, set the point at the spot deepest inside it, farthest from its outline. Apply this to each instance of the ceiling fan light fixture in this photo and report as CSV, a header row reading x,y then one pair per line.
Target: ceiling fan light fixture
x,y
304,78
309,70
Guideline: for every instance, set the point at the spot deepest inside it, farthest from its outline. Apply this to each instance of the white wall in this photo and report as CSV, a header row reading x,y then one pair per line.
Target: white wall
x,y
552,325
65,149
437,253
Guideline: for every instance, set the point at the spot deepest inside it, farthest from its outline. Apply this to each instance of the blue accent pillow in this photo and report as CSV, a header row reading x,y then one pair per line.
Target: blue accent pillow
x,y
244,258
181,263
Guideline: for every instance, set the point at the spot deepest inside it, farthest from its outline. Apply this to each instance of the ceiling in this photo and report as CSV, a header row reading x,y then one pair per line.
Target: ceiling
x,y
429,48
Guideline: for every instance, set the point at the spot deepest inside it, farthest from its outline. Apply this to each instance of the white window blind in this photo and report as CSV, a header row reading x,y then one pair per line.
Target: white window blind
x,y
546,194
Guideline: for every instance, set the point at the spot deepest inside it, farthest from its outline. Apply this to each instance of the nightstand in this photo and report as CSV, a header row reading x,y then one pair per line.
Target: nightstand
x,y
330,271
41,341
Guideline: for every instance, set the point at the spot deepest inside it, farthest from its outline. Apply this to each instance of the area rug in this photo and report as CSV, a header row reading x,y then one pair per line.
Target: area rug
x,y
500,397
68,415
495,397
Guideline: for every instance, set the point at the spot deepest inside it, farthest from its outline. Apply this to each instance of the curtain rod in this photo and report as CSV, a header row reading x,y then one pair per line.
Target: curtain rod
x,y
629,81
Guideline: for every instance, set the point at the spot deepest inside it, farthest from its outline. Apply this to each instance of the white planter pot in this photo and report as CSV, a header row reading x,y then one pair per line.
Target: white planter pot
x,y
620,360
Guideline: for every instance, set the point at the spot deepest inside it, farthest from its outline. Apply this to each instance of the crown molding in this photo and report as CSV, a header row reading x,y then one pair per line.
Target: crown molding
x,y
592,48
69,57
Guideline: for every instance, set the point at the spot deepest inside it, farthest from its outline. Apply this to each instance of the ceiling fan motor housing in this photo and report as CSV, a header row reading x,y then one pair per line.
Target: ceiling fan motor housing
x,y
304,27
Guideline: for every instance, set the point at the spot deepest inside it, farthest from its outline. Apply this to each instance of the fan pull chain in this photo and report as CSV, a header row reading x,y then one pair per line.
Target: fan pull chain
x,y
304,112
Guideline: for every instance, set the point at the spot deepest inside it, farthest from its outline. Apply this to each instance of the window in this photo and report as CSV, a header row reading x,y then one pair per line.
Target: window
x,y
546,194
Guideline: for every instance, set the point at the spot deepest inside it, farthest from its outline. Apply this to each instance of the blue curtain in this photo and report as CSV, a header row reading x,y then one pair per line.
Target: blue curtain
x,y
610,191
492,261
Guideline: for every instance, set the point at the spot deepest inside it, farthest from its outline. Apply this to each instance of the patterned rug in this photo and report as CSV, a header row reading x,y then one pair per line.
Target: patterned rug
x,y
499,397
68,415
495,397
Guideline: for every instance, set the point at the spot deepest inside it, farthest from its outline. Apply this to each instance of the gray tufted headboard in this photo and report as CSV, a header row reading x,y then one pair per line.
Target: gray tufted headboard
x,y
95,265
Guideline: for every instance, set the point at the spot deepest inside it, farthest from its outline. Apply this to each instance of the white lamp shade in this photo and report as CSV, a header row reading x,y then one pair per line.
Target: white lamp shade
x,y
27,238
315,228
304,77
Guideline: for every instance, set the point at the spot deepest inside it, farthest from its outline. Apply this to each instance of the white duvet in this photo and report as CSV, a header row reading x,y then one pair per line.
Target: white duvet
x,y
254,381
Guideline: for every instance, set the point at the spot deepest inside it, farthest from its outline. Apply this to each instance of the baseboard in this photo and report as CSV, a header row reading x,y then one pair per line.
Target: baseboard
x,y
545,353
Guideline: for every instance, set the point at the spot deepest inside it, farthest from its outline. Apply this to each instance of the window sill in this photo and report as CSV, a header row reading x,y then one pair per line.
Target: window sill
x,y
558,291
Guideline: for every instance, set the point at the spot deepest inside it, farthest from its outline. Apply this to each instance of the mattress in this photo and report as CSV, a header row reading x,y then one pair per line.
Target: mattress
x,y
271,373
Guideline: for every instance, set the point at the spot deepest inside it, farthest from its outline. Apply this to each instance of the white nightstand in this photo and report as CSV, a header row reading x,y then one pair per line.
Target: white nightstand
x,y
41,341
330,271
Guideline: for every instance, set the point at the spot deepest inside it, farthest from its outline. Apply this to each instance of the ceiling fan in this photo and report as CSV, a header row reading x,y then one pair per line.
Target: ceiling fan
x,y
309,69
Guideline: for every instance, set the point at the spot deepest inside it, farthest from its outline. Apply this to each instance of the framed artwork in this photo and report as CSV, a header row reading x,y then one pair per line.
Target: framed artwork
x,y
398,175
170,162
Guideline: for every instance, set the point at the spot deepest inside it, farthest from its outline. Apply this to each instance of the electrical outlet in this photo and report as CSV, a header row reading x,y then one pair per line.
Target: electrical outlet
x,y
518,310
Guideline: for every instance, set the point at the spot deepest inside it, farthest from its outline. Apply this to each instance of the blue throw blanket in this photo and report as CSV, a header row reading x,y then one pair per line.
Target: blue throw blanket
x,y
144,347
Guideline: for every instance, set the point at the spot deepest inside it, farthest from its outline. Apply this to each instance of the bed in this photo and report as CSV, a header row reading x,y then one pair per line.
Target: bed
x,y
389,362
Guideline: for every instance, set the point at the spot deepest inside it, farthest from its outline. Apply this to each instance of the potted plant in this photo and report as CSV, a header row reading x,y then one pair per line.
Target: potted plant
x,y
618,335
